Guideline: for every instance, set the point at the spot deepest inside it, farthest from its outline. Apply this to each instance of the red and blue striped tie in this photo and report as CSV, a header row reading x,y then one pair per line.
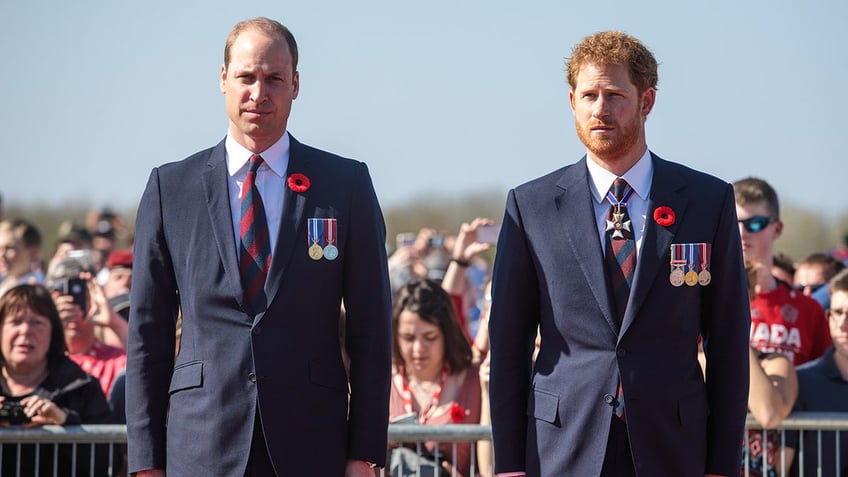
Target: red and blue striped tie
x,y
620,257
255,243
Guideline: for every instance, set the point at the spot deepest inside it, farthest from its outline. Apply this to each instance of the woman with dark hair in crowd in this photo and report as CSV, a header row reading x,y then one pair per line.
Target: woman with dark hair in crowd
x,y
433,379
40,385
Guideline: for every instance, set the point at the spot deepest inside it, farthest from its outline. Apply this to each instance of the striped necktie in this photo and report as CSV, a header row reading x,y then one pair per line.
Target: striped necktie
x,y
620,257
255,243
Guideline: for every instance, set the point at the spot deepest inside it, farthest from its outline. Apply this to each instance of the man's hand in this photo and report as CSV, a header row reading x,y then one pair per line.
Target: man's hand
x,y
359,468
151,473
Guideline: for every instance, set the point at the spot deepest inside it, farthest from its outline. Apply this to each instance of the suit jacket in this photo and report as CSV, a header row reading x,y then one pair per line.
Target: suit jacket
x,y
550,418
194,414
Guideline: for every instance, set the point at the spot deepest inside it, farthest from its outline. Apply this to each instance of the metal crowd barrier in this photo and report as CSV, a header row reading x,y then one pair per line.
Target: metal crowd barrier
x,y
105,443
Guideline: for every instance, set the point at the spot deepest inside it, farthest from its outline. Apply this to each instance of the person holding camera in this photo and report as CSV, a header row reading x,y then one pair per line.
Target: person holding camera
x,y
39,384
88,321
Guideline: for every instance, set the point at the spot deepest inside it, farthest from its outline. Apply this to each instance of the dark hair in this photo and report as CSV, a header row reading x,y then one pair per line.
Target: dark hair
x,y
38,299
752,190
830,265
430,302
272,28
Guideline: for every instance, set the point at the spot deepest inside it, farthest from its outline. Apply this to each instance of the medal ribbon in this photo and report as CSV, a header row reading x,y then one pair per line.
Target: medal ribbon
x,y
705,250
692,256
434,401
628,193
316,231
330,227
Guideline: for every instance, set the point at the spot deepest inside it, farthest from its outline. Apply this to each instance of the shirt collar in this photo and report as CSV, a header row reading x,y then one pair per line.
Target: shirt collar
x,y
276,156
639,177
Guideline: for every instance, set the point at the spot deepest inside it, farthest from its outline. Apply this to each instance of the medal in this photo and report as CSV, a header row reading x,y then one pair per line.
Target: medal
x,y
316,252
692,259
618,225
676,277
315,226
330,250
704,277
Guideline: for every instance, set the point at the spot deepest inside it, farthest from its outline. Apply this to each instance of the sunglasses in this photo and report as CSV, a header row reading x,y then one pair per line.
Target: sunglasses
x,y
812,286
756,223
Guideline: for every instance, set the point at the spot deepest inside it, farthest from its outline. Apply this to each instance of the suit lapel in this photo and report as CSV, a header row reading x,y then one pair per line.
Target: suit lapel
x,y
577,215
216,188
666,190
291,235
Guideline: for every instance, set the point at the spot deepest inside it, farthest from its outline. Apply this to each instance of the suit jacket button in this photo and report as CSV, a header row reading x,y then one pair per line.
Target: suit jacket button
x,y
609,399
257,330
251,377
621,352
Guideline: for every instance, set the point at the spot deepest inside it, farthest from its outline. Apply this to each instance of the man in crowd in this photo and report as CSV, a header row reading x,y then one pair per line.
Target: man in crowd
x,y
783,320
823,387
80,324
257,241
812,274
622,260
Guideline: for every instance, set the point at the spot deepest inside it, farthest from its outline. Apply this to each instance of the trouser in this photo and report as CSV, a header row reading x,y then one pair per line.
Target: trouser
x,y
618,461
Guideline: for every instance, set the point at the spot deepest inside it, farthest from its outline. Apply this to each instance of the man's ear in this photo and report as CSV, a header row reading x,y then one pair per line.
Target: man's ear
x,y
222,82
778,229
649,96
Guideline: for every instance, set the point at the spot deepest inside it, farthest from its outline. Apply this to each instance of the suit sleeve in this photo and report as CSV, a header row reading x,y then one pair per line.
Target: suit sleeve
x,y
726,322
367,300
513,322
151,335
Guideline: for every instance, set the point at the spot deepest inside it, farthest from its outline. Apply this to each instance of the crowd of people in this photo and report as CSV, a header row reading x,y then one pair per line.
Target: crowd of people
x,y
227,327
54,336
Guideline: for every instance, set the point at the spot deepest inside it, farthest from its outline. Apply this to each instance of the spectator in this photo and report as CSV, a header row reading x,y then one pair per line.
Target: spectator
x,y
433,379
456,282
812,274
102,360
783,268
119,281
41,385
823,387
20,248
782,319
771,393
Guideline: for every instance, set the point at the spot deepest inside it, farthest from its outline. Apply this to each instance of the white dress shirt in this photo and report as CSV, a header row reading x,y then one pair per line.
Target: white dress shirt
x,y
270,180
640,177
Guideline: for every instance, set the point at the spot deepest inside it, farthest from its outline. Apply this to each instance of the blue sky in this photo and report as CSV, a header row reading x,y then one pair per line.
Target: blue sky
x,y
438,97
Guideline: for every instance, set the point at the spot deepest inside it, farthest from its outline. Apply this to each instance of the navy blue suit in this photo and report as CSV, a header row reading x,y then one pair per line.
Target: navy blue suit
x,y
550,418
195,414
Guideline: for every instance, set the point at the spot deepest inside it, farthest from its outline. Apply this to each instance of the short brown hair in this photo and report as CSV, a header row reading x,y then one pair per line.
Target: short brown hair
x,y
38,299
432,304
829,265
614,48
839,283
272,28
752,190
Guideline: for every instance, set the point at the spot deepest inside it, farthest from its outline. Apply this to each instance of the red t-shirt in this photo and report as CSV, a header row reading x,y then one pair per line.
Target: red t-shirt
x,y
104,362
787,321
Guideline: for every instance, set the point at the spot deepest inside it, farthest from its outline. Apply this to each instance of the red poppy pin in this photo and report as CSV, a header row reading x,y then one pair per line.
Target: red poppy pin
x,y
664,216
298,182
457,413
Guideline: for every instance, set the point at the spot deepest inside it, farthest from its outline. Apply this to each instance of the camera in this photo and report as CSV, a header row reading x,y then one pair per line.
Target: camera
x,y
436,241
77,288
13,413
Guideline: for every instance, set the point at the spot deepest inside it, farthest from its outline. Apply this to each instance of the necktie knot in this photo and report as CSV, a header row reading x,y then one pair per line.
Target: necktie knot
x,y
255,161
618,188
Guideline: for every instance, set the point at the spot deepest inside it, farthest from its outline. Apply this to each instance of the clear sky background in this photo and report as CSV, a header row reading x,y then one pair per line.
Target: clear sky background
x,y
438,97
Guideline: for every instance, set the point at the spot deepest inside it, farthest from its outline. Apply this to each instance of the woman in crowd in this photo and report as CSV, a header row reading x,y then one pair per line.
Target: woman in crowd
x,y
433,381
40,385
